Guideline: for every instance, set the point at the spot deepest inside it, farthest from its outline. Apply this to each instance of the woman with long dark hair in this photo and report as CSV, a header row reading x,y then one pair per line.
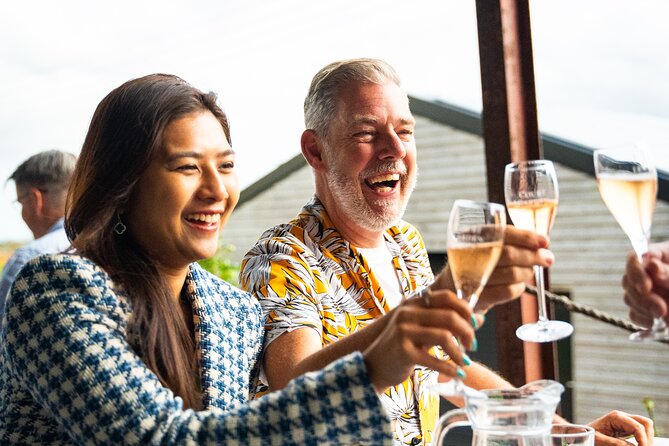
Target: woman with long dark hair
x,y
125,340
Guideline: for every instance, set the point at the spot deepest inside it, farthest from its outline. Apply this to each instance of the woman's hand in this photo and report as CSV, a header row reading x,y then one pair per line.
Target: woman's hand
x,y
616,425
417,325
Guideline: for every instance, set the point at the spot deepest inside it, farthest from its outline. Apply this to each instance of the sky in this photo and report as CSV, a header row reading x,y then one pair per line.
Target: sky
x,y
601,67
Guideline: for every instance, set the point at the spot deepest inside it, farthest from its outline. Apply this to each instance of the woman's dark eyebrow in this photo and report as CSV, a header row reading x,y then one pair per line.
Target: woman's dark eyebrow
x,y
197,155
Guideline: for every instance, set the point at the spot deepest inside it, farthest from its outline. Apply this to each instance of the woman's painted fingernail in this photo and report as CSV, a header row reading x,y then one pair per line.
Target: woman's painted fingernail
x,y
475,345
461,373
466,359
475,322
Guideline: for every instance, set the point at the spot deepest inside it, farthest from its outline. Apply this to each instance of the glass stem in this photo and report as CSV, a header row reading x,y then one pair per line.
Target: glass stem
x,y
471,300
659,325
640,247
541,295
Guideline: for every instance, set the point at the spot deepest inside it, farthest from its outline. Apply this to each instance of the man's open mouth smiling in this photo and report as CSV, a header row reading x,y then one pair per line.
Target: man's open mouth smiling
x,y
383,183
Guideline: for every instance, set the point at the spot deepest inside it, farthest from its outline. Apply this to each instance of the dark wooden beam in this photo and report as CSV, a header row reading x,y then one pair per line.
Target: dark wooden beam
x,y
510,133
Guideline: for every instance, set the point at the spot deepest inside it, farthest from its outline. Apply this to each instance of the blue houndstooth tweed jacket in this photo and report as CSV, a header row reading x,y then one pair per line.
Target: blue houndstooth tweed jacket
x,y
70,375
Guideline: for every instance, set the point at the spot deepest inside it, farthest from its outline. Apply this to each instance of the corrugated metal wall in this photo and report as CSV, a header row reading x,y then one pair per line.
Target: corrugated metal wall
x,y
608,370
276,205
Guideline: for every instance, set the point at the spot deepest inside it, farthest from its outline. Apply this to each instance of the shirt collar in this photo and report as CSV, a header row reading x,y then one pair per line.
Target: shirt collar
x,y
59,225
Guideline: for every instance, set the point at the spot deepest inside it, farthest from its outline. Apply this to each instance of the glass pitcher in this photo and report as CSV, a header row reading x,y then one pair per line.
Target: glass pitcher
x,y
510,417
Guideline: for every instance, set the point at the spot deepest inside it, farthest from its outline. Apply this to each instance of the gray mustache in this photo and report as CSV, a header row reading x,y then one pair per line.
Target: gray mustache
x,y
385,167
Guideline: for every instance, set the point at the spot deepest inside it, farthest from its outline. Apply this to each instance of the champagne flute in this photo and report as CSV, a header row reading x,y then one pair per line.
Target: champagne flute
x,y
531,193
627,181
474,244
474,241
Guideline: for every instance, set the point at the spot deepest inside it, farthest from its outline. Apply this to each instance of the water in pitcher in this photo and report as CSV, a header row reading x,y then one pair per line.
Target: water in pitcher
x,y
518,417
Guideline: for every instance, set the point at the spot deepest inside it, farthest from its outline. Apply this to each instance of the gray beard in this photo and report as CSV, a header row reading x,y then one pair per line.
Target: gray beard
x,y
350,198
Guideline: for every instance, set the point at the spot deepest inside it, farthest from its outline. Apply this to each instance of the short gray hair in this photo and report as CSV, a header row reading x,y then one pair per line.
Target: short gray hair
x,y
320,104
51,169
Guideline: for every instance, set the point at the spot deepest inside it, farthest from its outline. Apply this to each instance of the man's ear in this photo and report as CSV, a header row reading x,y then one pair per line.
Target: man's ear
x,y
38,197
312,149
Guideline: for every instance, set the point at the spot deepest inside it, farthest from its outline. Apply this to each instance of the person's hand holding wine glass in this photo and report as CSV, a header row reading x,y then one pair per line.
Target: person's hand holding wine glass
x,y
627,181
646,285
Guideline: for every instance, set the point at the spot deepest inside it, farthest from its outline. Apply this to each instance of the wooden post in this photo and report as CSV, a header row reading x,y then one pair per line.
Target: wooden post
x,y
511,133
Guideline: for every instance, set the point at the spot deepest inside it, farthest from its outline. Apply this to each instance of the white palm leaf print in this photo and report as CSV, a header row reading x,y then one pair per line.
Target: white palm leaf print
x,y
401,409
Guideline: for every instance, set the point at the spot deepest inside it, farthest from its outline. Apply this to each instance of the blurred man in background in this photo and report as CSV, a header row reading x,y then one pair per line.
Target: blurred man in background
x,y
41,187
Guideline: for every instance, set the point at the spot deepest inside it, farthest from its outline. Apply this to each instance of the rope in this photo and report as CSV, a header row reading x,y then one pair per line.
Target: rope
x,y
587,310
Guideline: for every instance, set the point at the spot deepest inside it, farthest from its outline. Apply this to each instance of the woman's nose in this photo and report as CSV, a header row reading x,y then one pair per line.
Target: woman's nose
x,y
213,186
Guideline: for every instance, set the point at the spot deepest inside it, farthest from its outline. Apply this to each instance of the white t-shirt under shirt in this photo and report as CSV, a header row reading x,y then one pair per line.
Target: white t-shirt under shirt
x,y
380,261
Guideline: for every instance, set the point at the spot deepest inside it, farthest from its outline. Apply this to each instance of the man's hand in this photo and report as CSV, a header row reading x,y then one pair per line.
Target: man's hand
x,y
522,250
616,425
646,285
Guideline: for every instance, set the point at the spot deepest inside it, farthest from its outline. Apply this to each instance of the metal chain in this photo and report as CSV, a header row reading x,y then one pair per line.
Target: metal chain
x,y
588,310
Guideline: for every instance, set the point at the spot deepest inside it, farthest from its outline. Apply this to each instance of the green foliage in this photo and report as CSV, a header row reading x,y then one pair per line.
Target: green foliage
x,y
6,250
220,265
649,404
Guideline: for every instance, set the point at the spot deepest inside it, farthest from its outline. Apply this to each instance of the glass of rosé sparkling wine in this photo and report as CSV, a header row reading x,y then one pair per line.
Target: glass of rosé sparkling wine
x,y
531,194
474,241
627,181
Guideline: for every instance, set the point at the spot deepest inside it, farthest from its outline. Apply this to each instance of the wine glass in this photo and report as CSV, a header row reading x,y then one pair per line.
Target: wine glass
x,y
627,181
474,242
531,193
572,435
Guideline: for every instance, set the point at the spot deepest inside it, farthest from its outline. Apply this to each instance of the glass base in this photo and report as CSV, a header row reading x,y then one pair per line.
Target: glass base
x,y
650,335
547,331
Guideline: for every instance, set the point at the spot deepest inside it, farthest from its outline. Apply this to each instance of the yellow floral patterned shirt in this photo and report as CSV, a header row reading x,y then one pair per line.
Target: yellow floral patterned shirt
x,y
306,275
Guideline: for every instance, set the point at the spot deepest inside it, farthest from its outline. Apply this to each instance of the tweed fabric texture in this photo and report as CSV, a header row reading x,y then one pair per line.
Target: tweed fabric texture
x,y
70,372
55,240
